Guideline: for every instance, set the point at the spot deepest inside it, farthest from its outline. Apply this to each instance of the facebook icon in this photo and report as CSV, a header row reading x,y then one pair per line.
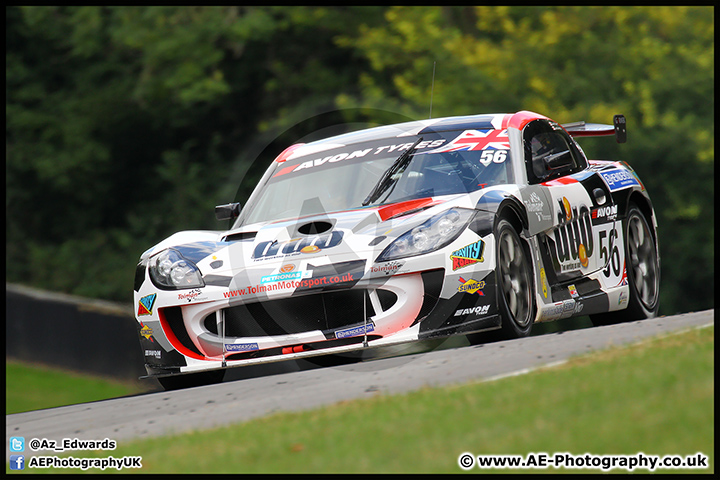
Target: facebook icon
x,y
17,462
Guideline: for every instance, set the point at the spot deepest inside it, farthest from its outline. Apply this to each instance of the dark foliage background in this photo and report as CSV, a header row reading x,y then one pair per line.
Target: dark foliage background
x,y
126,124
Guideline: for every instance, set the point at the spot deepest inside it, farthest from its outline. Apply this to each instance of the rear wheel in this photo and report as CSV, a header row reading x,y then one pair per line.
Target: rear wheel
x,y
514,282
643,272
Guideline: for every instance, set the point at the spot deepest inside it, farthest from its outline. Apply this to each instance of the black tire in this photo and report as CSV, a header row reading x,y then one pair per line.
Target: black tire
x,y
643,272
515,290
177,382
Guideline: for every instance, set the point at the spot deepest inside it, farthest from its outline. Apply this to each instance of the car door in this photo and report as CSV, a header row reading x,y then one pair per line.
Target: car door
x,y
579,235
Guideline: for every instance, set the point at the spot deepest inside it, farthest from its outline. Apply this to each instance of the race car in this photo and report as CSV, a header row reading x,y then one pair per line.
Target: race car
x,y
400,233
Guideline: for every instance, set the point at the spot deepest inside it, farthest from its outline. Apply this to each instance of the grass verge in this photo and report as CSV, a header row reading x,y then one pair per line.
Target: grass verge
x,y
33,387
655,397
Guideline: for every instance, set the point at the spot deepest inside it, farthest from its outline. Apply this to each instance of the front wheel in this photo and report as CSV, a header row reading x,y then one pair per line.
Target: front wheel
x,y
514,282
643,272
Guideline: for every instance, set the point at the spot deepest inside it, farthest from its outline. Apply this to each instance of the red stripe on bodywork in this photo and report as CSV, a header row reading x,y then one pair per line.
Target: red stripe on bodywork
x,y
520,119
389,211
285,170
560,181
284,156
174,340
286,153
506,120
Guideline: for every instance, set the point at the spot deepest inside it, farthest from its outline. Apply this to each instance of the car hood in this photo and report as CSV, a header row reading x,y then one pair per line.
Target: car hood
x,y
323,250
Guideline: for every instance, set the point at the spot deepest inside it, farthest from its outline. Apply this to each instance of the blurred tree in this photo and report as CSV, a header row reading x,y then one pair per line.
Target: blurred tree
x,y
126,124
653,64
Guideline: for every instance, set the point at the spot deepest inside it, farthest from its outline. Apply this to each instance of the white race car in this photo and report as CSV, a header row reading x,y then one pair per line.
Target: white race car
x,y
402,233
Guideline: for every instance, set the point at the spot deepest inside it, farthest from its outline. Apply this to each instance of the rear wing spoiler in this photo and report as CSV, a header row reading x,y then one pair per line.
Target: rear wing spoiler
x,y
582,129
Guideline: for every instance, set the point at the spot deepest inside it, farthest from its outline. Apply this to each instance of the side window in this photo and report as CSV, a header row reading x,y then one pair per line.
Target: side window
x,y
549,152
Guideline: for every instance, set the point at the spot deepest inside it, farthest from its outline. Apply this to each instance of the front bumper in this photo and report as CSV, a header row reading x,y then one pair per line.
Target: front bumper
x,y
397,309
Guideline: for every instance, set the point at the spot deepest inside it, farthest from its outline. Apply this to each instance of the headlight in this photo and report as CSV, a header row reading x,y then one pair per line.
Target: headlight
x,y
169,270
435,233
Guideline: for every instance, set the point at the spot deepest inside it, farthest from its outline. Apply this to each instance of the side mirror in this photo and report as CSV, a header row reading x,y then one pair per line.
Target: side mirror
x,y
620,128
228,211
558,161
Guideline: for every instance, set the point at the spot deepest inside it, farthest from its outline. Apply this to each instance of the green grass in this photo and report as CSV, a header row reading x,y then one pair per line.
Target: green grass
x,y
33,387
655,397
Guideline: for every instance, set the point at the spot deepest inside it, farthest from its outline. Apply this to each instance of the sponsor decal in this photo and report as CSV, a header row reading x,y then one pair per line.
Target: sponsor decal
x,y
481,310
566,207
474,140
285,276
559,310
578,307
535,205
322,161
607,213
190,295
573,243
287,268
553,312
388,268
471,286
146,332
305,283
619,178
562,309
343,156
355,331
623,299
568,308
241,347
573,291
395,149
468,255
582,256
312,244
543,282
145,304
153,353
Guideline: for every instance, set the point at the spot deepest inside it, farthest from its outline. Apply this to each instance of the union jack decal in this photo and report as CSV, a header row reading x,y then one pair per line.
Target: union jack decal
x,y
474,140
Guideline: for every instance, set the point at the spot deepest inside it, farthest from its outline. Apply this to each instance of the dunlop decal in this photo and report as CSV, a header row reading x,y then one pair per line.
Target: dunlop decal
x,y
572,243
312,244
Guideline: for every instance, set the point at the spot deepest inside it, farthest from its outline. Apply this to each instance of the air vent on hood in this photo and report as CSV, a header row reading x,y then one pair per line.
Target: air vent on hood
x,y
313,228
234,237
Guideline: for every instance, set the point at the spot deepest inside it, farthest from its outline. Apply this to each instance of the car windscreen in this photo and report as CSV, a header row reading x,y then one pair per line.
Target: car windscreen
x,y
342,178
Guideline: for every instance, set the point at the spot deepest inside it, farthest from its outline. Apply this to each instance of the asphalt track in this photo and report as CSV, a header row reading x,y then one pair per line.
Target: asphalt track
x,y
294,387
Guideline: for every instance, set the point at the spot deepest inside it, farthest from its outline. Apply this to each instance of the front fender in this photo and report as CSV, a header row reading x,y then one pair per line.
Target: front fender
x,y
495,205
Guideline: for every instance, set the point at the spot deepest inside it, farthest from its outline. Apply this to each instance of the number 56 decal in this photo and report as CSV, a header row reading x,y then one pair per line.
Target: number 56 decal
x,y
493,156
610,255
